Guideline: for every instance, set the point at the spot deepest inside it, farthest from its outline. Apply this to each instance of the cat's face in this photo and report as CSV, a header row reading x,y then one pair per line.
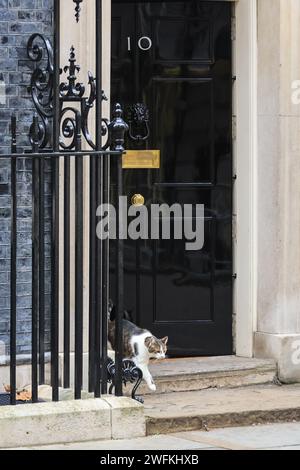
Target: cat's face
x,y
157,347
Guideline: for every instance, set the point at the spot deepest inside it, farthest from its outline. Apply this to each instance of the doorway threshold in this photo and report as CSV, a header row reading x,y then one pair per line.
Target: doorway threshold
x,y
199,373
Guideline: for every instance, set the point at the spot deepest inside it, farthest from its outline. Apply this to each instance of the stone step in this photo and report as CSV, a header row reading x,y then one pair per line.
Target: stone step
x,y
188,374
208,409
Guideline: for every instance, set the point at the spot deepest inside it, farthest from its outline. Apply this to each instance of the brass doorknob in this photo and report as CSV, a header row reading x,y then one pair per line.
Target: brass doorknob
x,y
138,200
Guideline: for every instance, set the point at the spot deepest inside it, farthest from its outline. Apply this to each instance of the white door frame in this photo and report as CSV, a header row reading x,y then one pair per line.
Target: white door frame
x,y
245,168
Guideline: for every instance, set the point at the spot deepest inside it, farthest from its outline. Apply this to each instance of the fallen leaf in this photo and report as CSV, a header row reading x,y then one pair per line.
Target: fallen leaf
x,y
24,396
21,395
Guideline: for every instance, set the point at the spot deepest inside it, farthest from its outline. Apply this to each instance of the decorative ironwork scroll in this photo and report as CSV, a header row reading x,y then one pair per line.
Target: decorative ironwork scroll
x,y
131,374
40,51
72,90
75,106
138,119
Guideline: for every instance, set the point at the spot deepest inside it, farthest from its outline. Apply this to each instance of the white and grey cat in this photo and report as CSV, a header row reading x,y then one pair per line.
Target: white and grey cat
x,y
138,345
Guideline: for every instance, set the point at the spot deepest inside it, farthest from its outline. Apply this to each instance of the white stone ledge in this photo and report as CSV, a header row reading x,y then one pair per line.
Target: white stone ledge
x,y
70,421
285,349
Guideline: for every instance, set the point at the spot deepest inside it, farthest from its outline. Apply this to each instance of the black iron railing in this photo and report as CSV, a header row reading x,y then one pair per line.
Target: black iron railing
x,y
98,313
58,134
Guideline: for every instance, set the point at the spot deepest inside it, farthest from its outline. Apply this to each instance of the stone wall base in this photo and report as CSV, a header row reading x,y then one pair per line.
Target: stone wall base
x,y
285,349
71,421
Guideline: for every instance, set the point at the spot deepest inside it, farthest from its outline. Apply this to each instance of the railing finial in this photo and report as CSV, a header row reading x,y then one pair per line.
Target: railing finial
x,y
77,10
117,128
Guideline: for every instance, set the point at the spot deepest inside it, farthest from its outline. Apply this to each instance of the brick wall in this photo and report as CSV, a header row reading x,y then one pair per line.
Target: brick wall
x,y
18,20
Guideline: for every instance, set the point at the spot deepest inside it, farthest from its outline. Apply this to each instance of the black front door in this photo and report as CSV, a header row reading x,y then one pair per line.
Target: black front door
x,y
175,58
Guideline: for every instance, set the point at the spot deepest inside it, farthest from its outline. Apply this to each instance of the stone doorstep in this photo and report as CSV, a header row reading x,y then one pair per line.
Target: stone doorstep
x,y
185,383
71,421
228,420
190,374
208,409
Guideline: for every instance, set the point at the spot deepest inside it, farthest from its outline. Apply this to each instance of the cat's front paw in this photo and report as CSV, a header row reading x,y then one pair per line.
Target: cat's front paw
x,y
152,387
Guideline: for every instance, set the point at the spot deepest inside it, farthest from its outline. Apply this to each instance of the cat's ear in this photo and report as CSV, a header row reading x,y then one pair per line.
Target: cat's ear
x,y
148,341
165,340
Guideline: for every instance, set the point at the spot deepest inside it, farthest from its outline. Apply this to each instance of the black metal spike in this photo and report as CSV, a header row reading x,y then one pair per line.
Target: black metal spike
x,y
77,9
13,133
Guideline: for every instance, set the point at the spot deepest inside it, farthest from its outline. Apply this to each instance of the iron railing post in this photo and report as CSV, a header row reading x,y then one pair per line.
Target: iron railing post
x,y
41,164
55,211
13,264
117,129
67,277
78,264
105,277
35,260
99,198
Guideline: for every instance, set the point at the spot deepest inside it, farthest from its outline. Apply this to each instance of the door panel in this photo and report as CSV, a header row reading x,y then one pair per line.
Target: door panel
x,y
182,39
186,145
185,81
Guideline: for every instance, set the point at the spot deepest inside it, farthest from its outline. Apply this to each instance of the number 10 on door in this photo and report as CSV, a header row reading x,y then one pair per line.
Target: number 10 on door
x,y
144,43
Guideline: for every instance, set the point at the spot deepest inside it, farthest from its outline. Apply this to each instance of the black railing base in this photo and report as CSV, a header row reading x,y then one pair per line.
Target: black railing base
x,y
131,374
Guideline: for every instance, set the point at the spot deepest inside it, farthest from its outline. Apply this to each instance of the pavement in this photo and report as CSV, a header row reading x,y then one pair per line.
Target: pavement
x,y
259,437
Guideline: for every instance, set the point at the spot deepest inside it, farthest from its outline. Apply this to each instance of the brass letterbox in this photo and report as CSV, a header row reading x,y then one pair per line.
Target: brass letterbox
x,y
141,159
